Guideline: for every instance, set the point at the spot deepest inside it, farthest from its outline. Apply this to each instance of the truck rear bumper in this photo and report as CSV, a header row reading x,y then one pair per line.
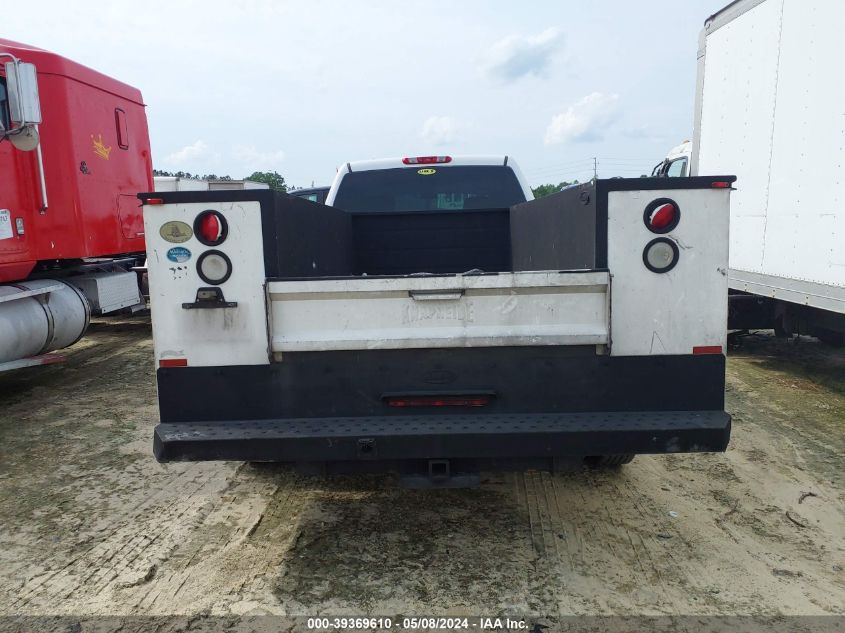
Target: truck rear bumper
x,y
479,436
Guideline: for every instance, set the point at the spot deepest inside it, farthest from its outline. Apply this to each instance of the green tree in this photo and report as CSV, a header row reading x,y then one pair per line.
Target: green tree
x,y
272,178
545,190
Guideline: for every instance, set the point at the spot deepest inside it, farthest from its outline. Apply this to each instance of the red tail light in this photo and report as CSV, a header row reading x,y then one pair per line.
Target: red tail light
x,y
155,200
720,184
426,160
707,349
173,362
438,401
662,216
211,228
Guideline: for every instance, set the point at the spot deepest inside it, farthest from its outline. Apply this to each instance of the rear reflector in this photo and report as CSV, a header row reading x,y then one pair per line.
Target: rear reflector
x,y
173,362
155,200
707,349
438,401
720,184
426,160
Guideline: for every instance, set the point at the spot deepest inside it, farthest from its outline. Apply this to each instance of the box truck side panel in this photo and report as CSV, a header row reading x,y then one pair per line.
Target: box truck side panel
x,y
804,235
740,69
769,109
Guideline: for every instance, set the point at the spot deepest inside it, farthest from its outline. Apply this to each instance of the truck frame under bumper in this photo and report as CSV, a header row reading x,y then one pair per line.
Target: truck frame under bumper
x,y
480,436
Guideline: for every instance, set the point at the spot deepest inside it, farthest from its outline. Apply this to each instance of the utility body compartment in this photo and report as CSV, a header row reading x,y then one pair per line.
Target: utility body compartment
x,y
500,309
539,332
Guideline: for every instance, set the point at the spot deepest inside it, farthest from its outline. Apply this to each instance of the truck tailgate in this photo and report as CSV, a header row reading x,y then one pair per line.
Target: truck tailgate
x,y
522,308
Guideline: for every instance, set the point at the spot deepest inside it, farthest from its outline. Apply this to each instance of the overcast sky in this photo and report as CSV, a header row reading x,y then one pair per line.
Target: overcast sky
x,y
302,86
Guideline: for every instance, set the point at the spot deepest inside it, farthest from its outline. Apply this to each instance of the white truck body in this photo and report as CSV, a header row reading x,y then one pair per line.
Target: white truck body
x,y
178,183
326,337
769,109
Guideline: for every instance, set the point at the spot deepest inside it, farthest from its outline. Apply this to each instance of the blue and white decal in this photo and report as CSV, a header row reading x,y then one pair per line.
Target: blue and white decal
x,y
179,254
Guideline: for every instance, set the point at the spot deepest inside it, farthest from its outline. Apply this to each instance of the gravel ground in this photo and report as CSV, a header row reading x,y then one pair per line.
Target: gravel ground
x,y
92,525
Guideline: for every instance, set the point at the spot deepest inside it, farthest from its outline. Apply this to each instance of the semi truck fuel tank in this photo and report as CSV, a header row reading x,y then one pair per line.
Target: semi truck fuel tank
x,y
39,316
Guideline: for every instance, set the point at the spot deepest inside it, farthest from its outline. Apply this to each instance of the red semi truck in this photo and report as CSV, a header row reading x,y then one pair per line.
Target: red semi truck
x,y
74,153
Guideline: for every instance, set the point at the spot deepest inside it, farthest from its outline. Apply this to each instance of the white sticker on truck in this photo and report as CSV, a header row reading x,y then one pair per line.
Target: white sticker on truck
x,y
6,224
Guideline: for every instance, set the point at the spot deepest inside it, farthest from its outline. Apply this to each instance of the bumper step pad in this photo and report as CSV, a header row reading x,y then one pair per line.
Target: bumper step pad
x,y
445,436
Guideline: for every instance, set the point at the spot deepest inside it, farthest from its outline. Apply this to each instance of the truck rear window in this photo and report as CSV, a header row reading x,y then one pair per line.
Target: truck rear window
x,y
432,187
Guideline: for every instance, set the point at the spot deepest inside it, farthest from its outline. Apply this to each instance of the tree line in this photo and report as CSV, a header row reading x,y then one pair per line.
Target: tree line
x,y
276,181
273,178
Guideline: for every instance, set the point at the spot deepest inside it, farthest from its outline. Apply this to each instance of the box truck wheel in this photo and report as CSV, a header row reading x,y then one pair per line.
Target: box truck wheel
x,y
604,461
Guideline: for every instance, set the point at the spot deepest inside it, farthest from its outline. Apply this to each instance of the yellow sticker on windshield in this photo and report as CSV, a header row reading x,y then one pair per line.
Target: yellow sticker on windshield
x,y
426,172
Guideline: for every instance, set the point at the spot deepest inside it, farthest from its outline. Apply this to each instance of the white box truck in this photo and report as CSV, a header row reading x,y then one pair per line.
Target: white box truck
x,y
771,109
436,320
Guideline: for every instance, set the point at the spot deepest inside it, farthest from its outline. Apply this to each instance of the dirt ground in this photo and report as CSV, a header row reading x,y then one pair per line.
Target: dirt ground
x,y
93,525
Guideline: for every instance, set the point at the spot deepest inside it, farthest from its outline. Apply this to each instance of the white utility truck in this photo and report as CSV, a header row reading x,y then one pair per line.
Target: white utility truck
x,y
769,109
436,320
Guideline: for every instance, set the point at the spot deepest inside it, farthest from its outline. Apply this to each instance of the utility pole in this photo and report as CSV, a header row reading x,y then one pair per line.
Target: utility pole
x,y
595,168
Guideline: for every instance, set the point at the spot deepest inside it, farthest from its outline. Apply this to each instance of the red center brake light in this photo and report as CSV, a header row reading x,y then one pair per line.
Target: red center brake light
x,y
662,216
478,400
426,160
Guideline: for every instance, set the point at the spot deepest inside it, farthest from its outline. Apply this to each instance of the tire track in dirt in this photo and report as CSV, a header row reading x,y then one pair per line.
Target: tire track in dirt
x,y
133,536
151,531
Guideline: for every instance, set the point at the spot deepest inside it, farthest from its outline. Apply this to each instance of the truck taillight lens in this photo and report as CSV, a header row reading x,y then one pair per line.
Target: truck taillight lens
x,y
214,267
426,160
438,401
211,228
661,255
662,215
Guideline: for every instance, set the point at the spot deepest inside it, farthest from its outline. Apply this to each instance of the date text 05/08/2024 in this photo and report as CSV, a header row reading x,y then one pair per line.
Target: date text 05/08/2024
x,y
422,623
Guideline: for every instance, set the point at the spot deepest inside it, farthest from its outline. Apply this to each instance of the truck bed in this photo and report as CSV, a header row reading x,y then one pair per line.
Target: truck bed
x,y
545,336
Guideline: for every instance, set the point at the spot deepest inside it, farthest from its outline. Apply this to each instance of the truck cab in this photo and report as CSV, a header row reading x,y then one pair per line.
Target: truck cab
x,y
312,194
677,162
429,183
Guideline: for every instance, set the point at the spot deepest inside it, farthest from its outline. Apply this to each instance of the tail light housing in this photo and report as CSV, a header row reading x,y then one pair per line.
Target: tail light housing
x,y
214,267
426,160
211,228
400,401
662,215
661,255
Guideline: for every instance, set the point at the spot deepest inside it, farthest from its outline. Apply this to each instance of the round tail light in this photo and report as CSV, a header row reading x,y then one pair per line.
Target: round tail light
x,y
211,228
662,215
661,255
214,267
